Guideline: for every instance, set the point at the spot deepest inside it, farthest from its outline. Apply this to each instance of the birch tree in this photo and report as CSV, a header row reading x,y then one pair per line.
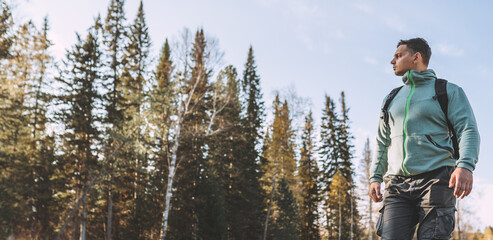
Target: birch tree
x,y
191,124
365,183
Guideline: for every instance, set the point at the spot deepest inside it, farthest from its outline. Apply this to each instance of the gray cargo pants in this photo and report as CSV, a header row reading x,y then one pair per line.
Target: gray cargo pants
x,y
425,199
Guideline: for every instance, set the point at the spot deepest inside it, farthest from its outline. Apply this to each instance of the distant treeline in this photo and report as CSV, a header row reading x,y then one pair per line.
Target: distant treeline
x,y
110,144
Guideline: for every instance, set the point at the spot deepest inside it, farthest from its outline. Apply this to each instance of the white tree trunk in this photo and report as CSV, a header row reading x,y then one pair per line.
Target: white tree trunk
x,y
171,175
340,218
352,217
371,223
183,110
458,220
84,218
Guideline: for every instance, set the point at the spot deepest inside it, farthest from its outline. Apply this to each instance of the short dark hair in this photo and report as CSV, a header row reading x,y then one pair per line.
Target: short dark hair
x,y
418,45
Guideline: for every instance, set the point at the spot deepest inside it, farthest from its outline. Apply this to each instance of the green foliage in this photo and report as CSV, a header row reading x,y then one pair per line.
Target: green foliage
x,y
80,103
190,178
249,214
6,23
161,107
26,150
310,195
114,122
280,153
336,153
287,221
338,221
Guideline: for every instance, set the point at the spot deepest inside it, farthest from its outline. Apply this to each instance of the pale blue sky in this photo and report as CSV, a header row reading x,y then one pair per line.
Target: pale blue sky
x,y
322,47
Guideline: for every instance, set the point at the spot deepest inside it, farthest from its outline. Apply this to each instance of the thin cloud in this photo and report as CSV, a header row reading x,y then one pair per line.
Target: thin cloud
x,y
370,60
301,9
450,50
337,34
364,7
395,23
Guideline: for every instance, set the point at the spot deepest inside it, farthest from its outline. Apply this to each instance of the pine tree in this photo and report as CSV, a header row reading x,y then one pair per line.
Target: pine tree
x,y
308,174
222,170
344,141
286,225
329,154
135,163
81,102
8,107
6,24
346,154
280,154
187,199
250,210
42,145
23,121
337,199
114,40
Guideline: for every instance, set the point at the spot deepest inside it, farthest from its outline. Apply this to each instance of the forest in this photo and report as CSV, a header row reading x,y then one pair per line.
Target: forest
x,y
109,143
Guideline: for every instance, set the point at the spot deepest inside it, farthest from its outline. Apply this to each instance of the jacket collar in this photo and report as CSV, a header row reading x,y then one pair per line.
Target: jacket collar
x,y
419,77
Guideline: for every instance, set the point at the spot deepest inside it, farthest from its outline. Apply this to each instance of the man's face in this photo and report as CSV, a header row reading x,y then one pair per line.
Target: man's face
x,y
403,60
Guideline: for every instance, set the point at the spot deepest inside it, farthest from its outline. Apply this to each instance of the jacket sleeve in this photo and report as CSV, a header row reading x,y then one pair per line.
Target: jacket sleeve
x,y
462,118
379,162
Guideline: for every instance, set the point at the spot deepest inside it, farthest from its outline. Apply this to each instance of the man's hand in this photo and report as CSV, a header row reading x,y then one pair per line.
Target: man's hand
x,y
462,180
375,192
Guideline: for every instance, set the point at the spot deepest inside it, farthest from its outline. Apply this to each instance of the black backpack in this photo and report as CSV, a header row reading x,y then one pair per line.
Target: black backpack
x,y
441,95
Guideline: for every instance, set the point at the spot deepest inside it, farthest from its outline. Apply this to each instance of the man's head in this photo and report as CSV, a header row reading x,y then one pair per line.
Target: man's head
x,y
412,54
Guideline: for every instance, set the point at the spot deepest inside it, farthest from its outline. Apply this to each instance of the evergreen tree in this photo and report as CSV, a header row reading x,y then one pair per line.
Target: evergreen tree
x,y
329,153
42,145
280,154
189,179
81,103
6,24
250,210
287,220
223,162
344,141
346,154
23,106
336,152
338,195
309,173
114,40
135,162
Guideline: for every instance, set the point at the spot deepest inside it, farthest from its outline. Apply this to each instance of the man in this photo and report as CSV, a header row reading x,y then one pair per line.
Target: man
x,y
416,154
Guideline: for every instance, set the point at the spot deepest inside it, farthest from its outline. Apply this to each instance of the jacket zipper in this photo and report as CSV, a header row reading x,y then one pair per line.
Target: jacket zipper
x,y
408,102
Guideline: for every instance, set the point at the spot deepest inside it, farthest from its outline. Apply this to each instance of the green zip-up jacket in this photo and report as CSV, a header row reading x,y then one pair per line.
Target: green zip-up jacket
x,y
416,139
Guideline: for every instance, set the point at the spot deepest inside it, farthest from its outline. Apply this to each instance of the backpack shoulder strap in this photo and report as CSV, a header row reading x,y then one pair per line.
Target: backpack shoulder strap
x,y
389,98
441,95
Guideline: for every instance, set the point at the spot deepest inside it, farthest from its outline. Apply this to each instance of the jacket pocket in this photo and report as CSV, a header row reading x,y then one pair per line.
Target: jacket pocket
x,y
449,149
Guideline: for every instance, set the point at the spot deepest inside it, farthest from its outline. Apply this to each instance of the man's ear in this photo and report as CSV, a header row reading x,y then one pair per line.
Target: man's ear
x,y
417,57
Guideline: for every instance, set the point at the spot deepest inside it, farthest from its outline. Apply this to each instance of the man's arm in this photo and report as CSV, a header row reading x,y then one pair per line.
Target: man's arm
x,y
462,117
380,160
